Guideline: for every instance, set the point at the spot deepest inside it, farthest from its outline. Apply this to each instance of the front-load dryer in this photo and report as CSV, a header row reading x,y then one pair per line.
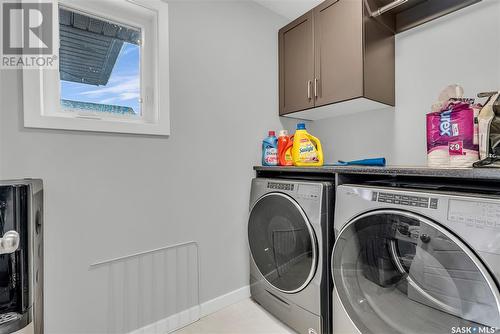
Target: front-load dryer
x,y
413,261
290,239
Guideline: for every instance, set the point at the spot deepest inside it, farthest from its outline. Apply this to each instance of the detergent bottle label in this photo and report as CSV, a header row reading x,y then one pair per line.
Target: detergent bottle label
x,y
271,156
307,151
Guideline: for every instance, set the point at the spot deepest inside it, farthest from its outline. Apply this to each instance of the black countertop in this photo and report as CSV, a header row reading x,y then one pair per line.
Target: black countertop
x,y
460,173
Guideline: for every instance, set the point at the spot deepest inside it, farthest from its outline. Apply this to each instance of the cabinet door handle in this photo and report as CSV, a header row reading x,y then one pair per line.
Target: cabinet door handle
x,y
309,89
316,87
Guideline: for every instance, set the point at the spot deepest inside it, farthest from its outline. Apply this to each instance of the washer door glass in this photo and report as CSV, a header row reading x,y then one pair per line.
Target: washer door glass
x,y
282,242
397,272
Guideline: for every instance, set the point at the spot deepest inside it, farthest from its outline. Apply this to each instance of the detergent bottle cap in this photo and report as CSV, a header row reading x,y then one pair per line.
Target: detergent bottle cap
x,y
301,126
272,134
283,133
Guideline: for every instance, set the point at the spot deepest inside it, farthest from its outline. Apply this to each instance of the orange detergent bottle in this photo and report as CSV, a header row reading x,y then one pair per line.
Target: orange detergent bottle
x,y
285,144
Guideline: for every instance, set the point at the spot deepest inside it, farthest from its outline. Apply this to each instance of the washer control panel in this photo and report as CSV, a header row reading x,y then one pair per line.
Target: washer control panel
x,y
299,190
408,200
281,186
474,214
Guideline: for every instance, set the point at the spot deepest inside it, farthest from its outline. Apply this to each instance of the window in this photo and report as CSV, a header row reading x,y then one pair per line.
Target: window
x,y
99,66
110,77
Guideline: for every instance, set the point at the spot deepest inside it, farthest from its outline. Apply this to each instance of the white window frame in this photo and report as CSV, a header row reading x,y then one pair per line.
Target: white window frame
x,y
41,87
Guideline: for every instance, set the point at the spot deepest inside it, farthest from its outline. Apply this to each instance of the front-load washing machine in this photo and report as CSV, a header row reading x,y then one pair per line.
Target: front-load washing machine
x,y
290,238
415,261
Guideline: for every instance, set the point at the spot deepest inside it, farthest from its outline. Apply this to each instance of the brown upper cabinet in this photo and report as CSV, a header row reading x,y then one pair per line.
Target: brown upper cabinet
x,y
335,57
296,61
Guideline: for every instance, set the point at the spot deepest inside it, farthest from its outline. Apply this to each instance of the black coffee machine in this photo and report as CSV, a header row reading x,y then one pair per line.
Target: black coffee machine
x,y
21,257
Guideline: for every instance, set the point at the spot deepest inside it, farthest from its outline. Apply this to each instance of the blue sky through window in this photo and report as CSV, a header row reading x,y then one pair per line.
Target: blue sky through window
x,y
122,89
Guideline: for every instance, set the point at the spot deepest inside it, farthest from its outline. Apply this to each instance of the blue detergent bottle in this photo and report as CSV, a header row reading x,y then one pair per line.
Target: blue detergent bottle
x,y
270,150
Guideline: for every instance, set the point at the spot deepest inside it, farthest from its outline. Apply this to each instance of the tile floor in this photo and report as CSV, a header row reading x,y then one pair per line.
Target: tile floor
x,y
245,317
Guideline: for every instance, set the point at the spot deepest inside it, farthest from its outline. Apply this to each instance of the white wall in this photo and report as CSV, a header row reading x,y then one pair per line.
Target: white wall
x,y
114,195
463,47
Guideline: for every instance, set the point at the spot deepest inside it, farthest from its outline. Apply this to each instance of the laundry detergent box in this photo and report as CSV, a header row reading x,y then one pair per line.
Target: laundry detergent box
x,y
451,136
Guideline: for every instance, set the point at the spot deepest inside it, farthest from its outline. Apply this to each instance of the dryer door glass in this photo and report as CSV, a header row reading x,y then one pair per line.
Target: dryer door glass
x,y
282,242
396,272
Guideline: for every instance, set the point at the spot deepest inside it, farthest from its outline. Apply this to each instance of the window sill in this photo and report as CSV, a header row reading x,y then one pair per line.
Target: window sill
x,y
94,124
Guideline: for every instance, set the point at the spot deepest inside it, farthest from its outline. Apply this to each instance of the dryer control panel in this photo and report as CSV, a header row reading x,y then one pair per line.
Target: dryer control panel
x,y
409,200
473,213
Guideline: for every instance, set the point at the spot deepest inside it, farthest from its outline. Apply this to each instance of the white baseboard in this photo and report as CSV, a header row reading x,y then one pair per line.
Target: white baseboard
x,y
220,302
171,323
186,317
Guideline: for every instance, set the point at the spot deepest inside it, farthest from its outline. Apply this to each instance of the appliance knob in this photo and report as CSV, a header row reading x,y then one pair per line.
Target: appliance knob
x,y
425,238
9,242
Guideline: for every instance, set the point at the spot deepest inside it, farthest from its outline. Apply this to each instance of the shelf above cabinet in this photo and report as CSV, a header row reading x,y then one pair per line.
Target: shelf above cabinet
x,y
412,13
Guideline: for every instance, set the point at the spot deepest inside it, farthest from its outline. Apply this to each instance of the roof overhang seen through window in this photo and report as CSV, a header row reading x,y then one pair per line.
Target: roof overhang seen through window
x,y
90,46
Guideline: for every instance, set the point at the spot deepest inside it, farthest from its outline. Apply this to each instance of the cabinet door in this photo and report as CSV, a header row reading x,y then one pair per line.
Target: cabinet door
x,y
338,30
296,65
